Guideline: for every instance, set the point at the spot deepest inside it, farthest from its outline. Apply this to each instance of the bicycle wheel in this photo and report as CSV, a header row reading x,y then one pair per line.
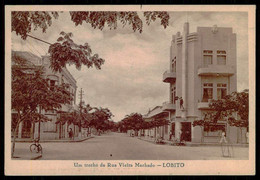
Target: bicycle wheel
x,y
40,148
33,148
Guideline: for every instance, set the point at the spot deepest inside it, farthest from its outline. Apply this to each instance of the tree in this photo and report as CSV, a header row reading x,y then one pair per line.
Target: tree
x,y
226,110
134,121
65,51
32,93
235,103
100,118
71,117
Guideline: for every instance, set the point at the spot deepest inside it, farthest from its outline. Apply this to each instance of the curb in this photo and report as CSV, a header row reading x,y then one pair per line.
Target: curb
x,y
54,141
197,144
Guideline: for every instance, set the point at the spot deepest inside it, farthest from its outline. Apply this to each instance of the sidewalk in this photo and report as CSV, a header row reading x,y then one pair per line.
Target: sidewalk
x,y
167,142
25,154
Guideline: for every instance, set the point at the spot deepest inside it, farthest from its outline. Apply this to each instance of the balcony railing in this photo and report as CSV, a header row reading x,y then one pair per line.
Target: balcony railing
x,y
204,104
216,70
169,76
167,106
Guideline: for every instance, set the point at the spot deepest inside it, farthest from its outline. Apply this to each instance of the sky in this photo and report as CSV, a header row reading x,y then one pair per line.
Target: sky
x,y
131,78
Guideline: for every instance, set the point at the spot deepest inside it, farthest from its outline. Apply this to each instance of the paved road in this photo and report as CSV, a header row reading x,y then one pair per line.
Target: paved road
x,y
117,146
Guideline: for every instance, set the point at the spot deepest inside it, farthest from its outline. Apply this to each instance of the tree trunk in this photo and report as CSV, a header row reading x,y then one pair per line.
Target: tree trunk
x,y
15,133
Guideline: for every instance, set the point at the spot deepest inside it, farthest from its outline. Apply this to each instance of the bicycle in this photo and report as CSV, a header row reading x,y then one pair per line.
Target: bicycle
x,y
36,147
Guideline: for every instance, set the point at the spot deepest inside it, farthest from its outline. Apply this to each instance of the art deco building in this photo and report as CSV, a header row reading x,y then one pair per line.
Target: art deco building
x,y
202,67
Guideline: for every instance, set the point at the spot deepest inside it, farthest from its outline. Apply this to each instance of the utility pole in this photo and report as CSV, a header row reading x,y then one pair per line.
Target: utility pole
x,y
80,108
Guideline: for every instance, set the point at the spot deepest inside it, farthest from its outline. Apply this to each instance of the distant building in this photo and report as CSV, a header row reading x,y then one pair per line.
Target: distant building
x,y
202,67
51,129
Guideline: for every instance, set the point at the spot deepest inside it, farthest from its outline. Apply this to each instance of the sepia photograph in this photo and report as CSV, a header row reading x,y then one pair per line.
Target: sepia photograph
x,y
129,90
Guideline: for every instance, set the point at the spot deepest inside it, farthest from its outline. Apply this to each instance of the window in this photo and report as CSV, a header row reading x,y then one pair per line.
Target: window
x,y
174,64
221,91
207,57
221,57
174,95
207,92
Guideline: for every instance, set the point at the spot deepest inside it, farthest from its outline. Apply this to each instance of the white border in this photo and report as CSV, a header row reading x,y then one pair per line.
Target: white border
x,y
193,167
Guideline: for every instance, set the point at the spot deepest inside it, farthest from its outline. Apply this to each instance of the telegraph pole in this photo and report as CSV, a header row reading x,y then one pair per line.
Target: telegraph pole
x,y
80,108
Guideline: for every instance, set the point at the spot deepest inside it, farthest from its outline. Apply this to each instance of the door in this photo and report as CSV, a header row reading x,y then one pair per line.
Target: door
x,y
186,131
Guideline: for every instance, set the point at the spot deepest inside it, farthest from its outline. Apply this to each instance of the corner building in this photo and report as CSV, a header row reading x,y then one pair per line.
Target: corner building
x,y
202,67
53,129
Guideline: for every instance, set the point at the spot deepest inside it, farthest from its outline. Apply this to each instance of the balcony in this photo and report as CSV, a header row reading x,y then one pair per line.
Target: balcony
x,y
167,106
169,77
216,70
204,105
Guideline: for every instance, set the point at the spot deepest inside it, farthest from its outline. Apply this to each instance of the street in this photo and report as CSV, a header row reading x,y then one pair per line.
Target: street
x,y
119,146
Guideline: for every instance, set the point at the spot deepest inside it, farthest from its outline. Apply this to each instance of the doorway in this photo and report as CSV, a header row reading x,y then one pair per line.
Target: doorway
x,y
186,131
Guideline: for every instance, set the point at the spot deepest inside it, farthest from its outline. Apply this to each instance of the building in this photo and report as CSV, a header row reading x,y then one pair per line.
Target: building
x,y
202,67
51,129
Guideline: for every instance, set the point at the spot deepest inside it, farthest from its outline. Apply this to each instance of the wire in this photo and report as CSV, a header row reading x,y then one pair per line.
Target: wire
x,y
30,50
35,49
40,45
38,39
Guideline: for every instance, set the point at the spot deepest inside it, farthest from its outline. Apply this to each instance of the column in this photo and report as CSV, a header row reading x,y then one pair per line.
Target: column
x,y
66,130
184,67
177,130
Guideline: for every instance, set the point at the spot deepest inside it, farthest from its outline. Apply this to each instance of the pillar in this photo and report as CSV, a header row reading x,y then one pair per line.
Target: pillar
x,y
66,130
184,67
178,130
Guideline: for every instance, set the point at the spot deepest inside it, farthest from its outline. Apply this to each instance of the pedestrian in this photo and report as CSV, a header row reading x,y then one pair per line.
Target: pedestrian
x,y
70,133
181,103
171,135
223,138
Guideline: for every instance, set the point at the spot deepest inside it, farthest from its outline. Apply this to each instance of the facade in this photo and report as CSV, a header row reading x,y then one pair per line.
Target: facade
x,y
202,67
50,129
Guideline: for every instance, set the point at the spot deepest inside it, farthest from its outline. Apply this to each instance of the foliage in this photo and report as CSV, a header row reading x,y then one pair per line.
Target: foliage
x,y
24,21
65,51
236,102
225,110
136,122
100,118
30,89
71,117
133,121
32,93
